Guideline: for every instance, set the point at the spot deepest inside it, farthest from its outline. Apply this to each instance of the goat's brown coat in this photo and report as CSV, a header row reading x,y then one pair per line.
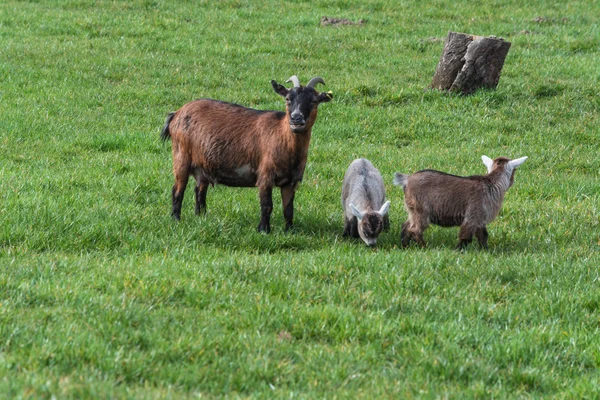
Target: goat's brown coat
x,y
433,197
225,143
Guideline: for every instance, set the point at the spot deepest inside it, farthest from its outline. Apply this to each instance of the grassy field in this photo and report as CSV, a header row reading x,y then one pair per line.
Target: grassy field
x,y
103,295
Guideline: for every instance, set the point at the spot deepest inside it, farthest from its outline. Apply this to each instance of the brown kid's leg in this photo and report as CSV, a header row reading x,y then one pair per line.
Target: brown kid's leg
x,y
465,236
405,235
416,228
482,237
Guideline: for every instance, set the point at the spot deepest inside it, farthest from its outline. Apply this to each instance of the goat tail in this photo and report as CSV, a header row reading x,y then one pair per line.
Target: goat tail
x,y
166,132
400,179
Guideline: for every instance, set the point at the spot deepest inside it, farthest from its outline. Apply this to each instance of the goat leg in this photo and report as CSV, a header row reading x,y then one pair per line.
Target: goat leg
x,y
465,236
351,227
181,170
287,200
354,227
405,235
177,200
482,237
266,207
200,191
346,227
418,236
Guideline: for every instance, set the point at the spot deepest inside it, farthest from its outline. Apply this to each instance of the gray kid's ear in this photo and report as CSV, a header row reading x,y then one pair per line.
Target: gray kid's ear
x,y
355,211
489,163
384,208
517,162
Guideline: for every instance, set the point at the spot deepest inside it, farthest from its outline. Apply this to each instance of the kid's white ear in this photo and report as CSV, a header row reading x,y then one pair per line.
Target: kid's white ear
x,y
355,211
517,162
489,163
384,208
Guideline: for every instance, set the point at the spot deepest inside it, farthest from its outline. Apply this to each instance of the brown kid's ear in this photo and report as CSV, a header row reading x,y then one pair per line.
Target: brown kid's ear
x,y
325,97
279,89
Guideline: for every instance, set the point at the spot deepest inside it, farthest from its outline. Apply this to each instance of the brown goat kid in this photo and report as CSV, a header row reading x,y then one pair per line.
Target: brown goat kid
x,y
433,197
228,144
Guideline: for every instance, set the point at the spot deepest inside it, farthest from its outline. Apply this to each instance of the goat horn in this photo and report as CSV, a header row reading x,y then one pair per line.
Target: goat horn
x,y
314,81
294,79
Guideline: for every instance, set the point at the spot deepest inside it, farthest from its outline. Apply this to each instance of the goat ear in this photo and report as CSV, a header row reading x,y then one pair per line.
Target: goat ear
x,y
489,163
517,162
384,208
355,211
325,97
279,89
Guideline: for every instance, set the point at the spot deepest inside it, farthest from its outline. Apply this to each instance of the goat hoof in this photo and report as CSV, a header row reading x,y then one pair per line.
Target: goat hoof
x,y
264,229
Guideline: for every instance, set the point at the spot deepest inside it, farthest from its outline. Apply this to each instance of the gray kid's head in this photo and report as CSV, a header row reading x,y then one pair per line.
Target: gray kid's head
x,y
370,223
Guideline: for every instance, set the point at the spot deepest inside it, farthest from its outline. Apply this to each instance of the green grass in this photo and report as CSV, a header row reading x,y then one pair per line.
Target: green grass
x,y
103,295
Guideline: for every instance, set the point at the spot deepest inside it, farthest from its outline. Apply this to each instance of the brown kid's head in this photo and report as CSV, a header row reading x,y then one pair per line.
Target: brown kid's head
x,y
503,164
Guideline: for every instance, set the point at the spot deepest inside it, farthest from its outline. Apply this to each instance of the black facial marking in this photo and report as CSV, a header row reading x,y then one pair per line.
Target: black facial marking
x,y
306,101
301,100
372,225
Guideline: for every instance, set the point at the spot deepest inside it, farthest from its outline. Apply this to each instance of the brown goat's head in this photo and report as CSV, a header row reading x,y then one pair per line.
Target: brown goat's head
x,y
302,102
370,223
503,164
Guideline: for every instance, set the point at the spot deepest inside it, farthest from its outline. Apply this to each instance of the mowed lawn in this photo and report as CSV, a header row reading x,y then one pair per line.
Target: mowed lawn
x,y
103,295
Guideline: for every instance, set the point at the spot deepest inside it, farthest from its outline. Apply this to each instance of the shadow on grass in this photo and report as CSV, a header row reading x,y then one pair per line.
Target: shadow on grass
x,y
235,231
238,233
440,239
310,233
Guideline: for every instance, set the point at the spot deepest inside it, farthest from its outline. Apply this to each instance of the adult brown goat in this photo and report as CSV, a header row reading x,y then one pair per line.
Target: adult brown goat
x,y
225,143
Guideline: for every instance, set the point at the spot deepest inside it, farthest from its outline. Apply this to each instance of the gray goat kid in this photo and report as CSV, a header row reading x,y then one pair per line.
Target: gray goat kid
x,y
433,197
363,196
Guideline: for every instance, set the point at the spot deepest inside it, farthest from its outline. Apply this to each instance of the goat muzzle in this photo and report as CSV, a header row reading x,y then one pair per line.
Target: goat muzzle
x,y
297,122
297,127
